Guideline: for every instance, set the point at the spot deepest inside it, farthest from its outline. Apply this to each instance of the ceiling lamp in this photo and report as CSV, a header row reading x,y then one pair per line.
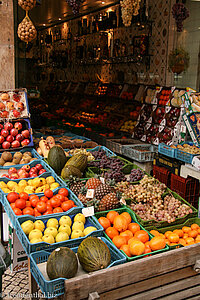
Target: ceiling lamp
x,y
75,4
129,9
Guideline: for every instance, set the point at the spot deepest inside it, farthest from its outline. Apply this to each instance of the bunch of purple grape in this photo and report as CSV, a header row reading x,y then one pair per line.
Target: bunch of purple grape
x,y
98,154
75,4
136,175
180,13
116,174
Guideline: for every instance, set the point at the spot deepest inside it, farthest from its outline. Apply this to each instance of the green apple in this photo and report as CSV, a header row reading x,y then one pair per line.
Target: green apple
x,y
51,230
52,223
76,234
65,228
27,226
62,236
89,229
48,238
65,220
35,234
34,241
39,225
79,217
78,226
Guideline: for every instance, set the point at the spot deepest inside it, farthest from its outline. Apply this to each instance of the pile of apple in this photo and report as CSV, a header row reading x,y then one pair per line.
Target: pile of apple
x,y
57,231
25,172
25,204
12,135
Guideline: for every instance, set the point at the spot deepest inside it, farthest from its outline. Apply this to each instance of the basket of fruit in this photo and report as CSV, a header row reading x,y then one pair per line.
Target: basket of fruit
x,y
54,286
139,152
14,159
186,152
166,150
122,228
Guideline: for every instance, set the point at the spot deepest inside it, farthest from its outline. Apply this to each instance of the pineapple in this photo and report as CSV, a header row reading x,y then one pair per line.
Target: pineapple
x,y
93,183
82,195
76,185
102,190
108,202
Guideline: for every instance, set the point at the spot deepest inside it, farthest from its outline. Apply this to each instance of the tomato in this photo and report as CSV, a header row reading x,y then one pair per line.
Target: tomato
x,y
48,193
28,204
24,196
12,197
48,212
37,213
60,197
28,211
55,202
20,203
57,210
67,205
41,207
34,201
12,205
32,196
66,199
63,192
17,211
49,207
44,199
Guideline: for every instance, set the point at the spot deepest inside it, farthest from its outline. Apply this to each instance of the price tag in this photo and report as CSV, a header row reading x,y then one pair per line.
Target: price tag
x,y
161,128
154,107
167,109
163,122
169,143
183,128
143,138
102,180
147,126
150,120
88,211
90,193
175,131
122,201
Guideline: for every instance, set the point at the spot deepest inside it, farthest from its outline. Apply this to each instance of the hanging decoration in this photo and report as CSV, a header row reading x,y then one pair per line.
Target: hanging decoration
x,y
129,9
26,30
75,5
179,60
180,13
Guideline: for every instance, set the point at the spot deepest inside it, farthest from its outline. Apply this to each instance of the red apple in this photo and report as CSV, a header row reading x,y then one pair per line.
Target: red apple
x,y
1,126
16,97
26,168
10,138
4,114
16,113
18,125
33,170
19,137
15,144
22,173
14,176
33,175
1,139
14,132
4,132
25,133
8,126
42,171
12,171
25,142
2,106
39,167
5,175
20,106
6,145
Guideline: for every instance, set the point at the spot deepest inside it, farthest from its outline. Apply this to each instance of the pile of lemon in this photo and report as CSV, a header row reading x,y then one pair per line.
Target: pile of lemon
x,y
31,186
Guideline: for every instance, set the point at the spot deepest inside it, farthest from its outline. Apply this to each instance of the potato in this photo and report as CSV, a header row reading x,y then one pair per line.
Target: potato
x,y
2,162
8,164
17,154
7,156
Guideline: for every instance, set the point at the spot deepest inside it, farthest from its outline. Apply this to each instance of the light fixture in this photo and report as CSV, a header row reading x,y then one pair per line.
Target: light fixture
x,y
44,24
102,2
59,19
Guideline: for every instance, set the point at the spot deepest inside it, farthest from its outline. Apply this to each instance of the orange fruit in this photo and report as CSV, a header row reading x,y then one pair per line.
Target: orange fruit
x,y
190,243
111,215
111,232
127,216
182,242
147,249
127,234
120,223
147,244
189,240
198,238
198,231
162,235
132,239
172,244
194,226
133,227
142,235
155,232
157,243
185,236
105,223
126,250
119,241
193,233
167,242
173,238
136,248
167,233
179,232
186,229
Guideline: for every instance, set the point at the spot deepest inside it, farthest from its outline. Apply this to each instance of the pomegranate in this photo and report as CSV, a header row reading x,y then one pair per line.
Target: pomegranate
x,y
25,142
19,137
16,113
4,132
15,144
25,133
6,145
14,132
4,114
1,139
8,126
10,138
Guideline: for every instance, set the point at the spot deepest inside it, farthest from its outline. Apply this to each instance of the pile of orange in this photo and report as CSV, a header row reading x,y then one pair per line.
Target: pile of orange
x,y
185,236
128,236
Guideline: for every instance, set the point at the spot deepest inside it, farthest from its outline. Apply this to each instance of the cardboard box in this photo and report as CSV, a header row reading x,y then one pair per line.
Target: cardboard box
x,y
19,259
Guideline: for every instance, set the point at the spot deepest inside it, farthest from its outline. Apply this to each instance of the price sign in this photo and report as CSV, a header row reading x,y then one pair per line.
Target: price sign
x,y
90,193
88,211
102,180
183,128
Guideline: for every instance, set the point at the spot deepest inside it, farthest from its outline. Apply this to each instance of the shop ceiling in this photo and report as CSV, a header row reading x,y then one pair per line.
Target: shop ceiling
x,y
51,12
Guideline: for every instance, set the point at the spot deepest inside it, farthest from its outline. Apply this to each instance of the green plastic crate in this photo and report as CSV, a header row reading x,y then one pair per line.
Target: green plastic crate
x,y
132,214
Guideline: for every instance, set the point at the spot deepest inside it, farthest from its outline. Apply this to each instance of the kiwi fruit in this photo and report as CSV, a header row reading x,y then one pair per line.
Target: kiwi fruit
x,y
8,164
7,156
16,160
18,154
27,153
2,162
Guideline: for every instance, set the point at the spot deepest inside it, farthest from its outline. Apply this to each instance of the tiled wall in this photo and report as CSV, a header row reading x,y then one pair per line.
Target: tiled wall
x,y
7,70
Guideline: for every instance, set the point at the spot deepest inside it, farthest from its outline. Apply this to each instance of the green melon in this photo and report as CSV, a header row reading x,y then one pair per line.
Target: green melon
x,y
78,161
93,254
62,262
68,171
57,158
